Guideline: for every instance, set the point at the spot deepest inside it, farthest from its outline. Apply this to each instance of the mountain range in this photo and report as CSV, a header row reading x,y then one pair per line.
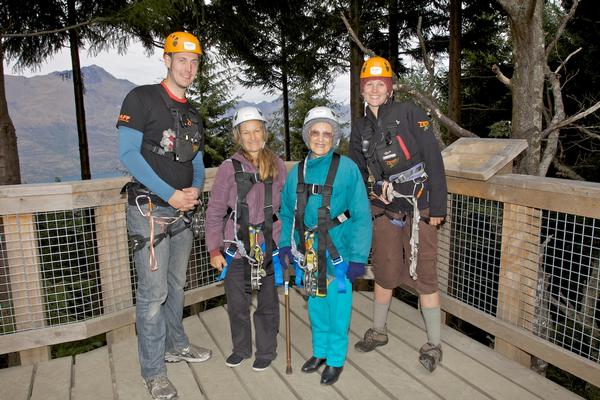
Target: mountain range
x,y
42,109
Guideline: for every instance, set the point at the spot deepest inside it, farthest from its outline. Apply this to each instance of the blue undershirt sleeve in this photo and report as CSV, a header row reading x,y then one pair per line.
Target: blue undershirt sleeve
x,y
130,145
198,165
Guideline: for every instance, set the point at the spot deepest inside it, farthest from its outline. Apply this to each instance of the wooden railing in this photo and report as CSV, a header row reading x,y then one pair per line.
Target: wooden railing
x,y
66,272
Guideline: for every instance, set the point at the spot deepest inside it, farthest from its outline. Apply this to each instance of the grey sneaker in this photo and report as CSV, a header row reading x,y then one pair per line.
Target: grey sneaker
x,y
430,356
371,340
191,353
161,388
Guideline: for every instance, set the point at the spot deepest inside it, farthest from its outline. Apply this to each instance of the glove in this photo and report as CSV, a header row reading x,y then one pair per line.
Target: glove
x,y
355,270
285,251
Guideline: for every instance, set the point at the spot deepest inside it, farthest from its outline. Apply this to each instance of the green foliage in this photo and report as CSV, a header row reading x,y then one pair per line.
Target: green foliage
x,y
302,99
210,93
79,346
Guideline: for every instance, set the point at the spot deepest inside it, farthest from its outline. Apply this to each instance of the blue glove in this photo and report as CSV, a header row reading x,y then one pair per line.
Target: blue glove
x,y
285,251
355,270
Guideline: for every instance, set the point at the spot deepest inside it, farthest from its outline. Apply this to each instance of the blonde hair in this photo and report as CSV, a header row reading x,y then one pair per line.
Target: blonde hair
x,y
266,161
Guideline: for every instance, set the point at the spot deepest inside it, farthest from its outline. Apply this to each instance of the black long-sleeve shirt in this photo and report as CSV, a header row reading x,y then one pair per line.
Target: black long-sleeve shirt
x,y
414,127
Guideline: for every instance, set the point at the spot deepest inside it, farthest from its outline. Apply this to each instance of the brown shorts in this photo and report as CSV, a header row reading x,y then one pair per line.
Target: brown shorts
x,y
391,253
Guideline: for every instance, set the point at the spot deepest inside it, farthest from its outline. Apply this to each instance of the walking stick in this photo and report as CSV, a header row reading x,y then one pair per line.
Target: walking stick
x,y
288,341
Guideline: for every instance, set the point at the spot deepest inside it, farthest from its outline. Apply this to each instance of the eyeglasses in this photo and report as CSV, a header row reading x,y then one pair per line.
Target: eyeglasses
x,y
325,134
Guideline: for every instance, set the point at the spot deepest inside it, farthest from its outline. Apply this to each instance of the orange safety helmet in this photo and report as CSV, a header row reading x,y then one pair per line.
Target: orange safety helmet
x,y
376,67
182,42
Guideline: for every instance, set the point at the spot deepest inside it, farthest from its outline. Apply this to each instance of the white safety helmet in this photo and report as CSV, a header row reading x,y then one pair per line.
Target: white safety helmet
x,y
247,114
322,114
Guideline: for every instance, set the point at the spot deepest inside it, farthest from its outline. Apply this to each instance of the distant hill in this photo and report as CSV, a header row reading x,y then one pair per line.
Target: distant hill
x,y
42,109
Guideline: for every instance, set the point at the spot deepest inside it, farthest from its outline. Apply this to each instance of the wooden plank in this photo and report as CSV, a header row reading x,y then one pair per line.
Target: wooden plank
x,y
263,385
218,381
520,375
126,370
306,385
443,253
477,158
82,330
404,356
365,376
182,377
472,370
519,263
20,379
25,279
91,380
555,355
53,379
562,195
113,257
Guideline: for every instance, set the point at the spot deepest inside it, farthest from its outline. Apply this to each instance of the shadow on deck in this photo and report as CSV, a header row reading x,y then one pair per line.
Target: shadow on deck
x,y
469,370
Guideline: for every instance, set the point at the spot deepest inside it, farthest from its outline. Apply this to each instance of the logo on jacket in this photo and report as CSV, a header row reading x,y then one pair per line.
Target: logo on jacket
x,y
423,124
390,158
124,118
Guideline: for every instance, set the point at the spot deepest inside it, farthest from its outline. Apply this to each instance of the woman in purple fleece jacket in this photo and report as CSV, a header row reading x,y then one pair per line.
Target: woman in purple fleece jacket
x,y
256,165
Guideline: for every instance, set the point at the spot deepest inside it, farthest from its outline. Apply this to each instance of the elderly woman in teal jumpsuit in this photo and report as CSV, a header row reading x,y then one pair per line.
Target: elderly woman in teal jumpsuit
x,y
325,203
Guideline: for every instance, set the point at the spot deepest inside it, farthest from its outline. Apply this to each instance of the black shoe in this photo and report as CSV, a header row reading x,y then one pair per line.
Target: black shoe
x,y
260,364
330,375
313,364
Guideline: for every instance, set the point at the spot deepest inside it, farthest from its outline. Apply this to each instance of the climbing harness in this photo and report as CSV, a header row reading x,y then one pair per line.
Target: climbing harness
x,y
261,255
412,199
138,241
311,265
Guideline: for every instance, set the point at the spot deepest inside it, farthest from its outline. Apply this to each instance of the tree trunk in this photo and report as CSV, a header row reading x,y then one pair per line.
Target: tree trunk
x,y
84,158
454,70
356,104
10,172
526,19
393,29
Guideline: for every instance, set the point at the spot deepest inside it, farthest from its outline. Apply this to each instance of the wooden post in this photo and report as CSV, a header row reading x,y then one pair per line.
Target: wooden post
x,y
115,273
25,280
519,265
443,253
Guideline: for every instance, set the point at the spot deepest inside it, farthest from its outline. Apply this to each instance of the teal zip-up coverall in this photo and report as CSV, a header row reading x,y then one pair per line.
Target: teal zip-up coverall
x,y
330,315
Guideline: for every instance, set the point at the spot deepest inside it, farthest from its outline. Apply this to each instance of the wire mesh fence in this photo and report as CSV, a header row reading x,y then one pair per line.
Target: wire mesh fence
x,y
536,269
69,266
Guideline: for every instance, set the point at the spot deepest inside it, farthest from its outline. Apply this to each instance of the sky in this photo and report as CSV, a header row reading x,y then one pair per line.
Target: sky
x,y
137,67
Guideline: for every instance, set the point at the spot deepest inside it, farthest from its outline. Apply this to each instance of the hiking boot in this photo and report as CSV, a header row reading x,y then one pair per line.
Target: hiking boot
x,y
430,356
161,388
234,360
260,364
372,339
191,353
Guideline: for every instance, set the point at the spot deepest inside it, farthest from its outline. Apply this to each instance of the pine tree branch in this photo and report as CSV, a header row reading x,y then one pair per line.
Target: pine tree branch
x,y
430,104
561,28
421,98
570,120
66,28
501,77
562,64
566,170
355,38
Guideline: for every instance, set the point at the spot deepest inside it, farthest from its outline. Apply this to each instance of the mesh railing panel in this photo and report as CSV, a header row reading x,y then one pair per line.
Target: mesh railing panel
x,y
473,237
535,269
63,267
568,292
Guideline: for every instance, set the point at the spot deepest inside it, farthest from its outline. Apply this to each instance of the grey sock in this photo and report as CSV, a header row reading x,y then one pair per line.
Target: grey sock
x,y
433,324
380,312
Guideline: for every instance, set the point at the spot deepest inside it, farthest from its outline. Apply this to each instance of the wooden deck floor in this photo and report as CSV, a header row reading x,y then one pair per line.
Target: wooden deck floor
x,y
469,370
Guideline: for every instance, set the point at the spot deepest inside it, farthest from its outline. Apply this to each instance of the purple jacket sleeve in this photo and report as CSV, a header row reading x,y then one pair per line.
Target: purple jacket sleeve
x,y
217,206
